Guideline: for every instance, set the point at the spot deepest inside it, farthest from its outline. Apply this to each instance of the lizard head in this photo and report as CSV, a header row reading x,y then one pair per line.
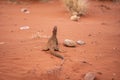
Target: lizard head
x,y
55,30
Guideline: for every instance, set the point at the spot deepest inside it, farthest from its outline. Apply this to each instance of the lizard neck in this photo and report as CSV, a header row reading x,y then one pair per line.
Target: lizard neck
x,y
54,34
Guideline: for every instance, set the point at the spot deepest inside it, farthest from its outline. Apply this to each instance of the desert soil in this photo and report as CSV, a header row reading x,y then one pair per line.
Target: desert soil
x,y
21,57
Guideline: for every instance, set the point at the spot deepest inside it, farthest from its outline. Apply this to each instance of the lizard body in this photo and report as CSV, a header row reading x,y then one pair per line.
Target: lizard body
x,y
52,44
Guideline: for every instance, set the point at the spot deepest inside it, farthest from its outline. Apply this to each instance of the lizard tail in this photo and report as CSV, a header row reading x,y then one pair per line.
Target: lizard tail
x,y
56,54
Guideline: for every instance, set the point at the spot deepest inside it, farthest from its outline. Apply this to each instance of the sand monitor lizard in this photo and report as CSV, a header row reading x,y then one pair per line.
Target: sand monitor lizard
x,y
52,44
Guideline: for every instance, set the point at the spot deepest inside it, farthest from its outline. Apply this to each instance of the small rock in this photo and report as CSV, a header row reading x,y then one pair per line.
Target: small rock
x,y
25,10
80,42
24,27
89,76
74,18
2,43
69,43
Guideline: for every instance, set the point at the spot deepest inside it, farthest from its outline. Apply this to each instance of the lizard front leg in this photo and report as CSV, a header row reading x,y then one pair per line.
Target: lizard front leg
x,y
45,49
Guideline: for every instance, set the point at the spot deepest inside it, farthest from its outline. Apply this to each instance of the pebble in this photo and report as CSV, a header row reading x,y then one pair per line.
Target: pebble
x,y
74,18
69,43
2,43
24,27
80,42
25,10
89,76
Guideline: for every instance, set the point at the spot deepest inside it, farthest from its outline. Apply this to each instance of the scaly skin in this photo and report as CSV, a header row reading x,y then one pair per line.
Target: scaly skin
x,y
52,44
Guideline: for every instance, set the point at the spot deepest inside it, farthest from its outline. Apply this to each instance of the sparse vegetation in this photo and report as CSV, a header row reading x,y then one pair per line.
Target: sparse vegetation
x,y
28,0
76,7
116,1
110,0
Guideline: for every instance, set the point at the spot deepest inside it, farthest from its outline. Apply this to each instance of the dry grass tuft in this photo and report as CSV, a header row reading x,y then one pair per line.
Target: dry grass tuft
x,y
28,0
110,0
77,7
38,35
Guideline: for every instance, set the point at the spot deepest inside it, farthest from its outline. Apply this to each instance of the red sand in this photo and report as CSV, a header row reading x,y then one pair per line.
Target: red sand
x,y
21,57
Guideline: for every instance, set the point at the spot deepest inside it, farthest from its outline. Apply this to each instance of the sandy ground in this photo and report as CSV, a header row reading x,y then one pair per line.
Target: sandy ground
x,y
21,57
